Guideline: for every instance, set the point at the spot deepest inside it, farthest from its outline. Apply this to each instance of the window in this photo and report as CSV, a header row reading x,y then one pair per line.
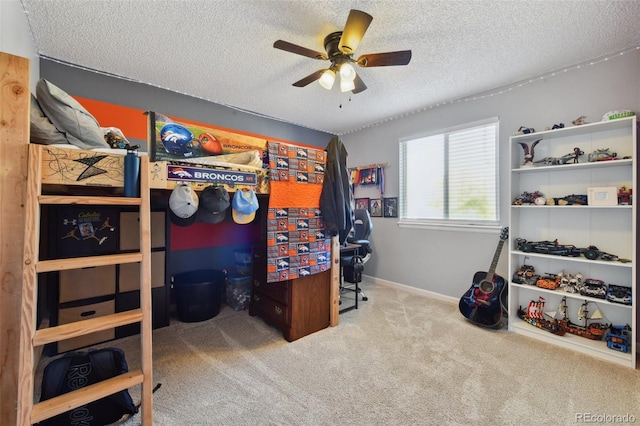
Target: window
x,y
451,177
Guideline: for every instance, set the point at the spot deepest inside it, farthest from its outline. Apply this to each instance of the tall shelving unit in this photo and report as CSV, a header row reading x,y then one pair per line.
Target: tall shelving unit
x,y
33,339
611,228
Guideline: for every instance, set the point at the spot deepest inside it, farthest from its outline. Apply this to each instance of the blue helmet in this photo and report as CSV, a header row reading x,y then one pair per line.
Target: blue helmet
x,y
178,140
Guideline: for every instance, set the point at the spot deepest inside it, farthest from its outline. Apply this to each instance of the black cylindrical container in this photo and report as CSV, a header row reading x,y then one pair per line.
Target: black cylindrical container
x,y
131,174
198,294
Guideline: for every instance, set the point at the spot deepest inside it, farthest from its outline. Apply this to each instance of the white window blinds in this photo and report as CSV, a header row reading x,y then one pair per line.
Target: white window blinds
x,y
451,176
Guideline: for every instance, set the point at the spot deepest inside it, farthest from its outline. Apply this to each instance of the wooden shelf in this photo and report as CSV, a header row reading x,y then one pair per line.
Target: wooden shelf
x,y
88,200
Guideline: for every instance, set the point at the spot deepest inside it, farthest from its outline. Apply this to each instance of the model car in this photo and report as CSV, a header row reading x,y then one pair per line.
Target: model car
x,y
603,154
526,274
549,281
618,338
619,294
547,247
593,253
594,288
570,283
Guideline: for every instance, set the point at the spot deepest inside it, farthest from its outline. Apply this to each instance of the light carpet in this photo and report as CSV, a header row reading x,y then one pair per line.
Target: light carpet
x,y
400,359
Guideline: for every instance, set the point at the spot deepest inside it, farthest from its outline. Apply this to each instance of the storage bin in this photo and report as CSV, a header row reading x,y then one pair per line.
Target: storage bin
x,y
238,292
85,283
198,294
243,261
78,313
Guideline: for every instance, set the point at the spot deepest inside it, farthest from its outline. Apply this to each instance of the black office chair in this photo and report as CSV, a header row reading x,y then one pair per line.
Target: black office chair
x,y
352,262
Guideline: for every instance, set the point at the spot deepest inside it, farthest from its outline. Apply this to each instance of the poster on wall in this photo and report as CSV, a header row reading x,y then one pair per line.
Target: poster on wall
x,y
179,140
390,207
375,207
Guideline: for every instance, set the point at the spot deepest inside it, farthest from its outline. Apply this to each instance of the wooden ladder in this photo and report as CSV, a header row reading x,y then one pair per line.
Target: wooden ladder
x,y
32,340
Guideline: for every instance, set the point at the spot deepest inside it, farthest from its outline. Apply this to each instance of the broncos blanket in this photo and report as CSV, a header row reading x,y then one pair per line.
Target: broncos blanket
x,y
297,241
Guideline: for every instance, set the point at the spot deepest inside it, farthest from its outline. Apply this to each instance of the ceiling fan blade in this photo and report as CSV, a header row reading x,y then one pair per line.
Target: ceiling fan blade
x,y
360,86
354,29
309,79
294,48
401,57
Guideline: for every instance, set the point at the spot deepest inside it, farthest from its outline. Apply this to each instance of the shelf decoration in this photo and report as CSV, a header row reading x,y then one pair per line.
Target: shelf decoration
x,y
372,174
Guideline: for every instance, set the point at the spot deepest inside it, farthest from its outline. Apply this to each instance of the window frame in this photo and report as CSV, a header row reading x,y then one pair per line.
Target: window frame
x,y
449,224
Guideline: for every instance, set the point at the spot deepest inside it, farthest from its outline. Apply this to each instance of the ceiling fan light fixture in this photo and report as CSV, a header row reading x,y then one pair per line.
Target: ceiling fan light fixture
x,y
347,72
347,85
327,79
339,48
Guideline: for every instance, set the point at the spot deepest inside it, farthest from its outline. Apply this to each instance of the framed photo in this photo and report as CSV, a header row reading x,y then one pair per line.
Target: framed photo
x,y
602,196
362,203
375,207
390,207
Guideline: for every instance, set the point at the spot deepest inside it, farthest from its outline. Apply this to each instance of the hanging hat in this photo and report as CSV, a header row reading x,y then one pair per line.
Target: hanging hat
x,y
214,202
245,204
183,205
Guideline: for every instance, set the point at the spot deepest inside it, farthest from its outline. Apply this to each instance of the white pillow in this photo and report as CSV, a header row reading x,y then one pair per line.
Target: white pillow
x,y
69,117
42,130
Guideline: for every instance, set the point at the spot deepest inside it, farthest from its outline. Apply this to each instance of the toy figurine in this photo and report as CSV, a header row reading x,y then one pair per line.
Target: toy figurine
x,y
580,120
624,195
528,153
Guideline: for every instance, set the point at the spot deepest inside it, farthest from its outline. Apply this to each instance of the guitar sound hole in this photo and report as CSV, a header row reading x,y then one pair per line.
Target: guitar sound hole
x,y
487,286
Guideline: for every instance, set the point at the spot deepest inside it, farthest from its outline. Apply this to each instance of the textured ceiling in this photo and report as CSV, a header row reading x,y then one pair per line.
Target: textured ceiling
x,y
222,50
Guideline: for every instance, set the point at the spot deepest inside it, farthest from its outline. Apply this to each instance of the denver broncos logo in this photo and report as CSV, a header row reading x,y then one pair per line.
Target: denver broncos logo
x,y
180,172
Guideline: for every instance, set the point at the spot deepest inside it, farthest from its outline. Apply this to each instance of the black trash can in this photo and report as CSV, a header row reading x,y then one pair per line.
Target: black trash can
x,y
198,294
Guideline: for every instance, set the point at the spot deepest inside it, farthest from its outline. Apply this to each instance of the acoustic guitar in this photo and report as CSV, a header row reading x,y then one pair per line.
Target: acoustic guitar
x,y
483,303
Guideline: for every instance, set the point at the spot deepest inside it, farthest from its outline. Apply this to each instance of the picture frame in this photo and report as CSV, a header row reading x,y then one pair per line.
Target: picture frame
x,y
375,207
390,207
362,203
602,196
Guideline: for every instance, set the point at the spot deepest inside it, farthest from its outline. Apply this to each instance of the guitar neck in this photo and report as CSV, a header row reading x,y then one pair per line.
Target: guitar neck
x,y
494,262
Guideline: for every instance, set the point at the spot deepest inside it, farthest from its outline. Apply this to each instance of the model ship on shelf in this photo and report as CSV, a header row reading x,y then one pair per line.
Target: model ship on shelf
x,y
537,317
590,330
558,322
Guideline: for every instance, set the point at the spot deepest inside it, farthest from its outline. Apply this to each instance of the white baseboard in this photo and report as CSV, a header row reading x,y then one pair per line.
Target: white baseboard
x,y
414,290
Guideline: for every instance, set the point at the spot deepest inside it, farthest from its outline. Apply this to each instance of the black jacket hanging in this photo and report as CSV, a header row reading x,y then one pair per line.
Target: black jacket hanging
x,y
336,200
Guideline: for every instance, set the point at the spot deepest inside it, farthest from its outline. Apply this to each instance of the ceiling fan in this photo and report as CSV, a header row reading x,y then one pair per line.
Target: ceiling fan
x,y
340,47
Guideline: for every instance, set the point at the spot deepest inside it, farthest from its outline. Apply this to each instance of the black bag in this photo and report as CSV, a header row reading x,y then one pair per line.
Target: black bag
x,y
79,369
352,272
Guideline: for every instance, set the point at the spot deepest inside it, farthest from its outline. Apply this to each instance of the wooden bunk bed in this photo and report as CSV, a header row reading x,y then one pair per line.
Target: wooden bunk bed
x,y
56,175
